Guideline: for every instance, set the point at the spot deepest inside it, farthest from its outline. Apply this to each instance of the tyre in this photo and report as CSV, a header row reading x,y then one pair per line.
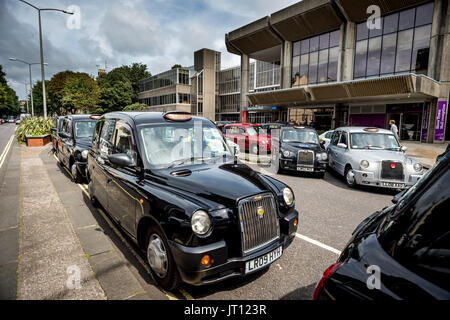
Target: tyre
x,y
91,195
75,174
350,177
161,260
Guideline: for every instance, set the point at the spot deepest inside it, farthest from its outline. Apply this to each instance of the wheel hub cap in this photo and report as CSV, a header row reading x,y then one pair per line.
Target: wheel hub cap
x,y
74,170
157,256
350,177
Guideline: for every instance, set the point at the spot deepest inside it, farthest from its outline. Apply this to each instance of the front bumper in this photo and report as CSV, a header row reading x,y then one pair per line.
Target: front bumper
x,y
291,164
368,178
224,267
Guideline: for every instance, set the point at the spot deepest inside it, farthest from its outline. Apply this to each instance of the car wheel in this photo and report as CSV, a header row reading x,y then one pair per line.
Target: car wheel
x,y
75,173
350,177
91,195
160,259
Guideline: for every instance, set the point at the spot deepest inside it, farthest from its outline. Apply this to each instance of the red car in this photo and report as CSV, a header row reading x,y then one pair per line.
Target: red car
x,y
248,136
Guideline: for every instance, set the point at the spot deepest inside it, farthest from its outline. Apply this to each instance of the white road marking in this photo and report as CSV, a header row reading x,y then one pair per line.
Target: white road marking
x,y
6,150
318,243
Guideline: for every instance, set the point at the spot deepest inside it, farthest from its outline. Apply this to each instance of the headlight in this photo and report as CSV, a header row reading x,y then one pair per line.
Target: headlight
x,y
286,153
84,154
418,167
288,196
321,156
200,222
364,164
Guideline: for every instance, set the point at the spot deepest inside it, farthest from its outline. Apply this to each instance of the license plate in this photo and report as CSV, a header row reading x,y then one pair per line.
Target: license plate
x,y
263,261
305,169
393,185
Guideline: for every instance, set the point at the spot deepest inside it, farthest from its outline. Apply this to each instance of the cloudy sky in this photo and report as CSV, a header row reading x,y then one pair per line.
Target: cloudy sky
x,y
159,33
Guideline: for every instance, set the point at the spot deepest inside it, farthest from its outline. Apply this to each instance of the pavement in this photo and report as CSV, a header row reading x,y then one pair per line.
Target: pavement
x,y
424,153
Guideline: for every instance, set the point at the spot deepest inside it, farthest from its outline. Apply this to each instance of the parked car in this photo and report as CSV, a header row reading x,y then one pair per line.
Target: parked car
x,y
11,119
221,124
233,146
297,148
326,136
401,251
250,137
372,157
175,188
55,131
74,141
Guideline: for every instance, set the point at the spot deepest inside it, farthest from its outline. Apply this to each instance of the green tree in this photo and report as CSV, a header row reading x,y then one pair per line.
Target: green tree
x,y
56,89
176,66
132,74
37,97
136,107
9,102
80,93
115,96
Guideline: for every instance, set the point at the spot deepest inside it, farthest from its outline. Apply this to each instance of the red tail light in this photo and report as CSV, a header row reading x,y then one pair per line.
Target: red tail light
x,y
392,165
326,275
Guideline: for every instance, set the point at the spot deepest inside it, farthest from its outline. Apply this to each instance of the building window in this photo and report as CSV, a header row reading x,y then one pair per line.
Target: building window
x,y
314,60
401,45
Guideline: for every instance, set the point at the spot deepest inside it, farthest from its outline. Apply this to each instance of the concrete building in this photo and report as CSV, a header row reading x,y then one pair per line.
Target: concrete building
x,y
346,66
169,90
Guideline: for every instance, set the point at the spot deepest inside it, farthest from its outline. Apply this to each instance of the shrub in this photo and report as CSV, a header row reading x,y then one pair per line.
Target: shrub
x,y
36,126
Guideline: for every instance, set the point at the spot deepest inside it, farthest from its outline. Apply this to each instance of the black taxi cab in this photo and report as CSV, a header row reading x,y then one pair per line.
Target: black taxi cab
x,y
74,138
297,148
173,185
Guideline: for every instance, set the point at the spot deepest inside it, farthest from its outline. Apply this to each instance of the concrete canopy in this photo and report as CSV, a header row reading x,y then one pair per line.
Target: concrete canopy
x,y
306,19
390,87
252,38
356,10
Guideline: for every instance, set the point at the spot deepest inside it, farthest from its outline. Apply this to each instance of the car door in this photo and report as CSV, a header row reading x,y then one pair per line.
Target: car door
x,y
64,148
332,149
101,176
123,201
340,157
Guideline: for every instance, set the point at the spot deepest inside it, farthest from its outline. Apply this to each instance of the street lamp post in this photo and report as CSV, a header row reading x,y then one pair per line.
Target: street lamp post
x,y
31,84
44,100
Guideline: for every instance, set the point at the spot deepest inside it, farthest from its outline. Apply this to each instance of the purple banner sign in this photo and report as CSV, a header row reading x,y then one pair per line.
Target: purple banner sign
x,y
425,123
441,114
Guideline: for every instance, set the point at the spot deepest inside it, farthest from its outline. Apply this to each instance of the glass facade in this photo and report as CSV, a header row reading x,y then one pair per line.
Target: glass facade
x,y
315,60
159,100
402,44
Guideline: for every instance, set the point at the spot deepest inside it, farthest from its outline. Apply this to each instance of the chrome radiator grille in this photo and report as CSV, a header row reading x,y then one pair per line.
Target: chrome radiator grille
x,y
259,222
305,157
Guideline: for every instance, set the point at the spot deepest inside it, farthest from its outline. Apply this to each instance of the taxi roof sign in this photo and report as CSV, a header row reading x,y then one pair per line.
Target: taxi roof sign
x,y
177,116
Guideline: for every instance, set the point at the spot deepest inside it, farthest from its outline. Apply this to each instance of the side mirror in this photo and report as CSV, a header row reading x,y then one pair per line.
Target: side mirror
x,y
121,160
397,197
64,135
342,145
404,148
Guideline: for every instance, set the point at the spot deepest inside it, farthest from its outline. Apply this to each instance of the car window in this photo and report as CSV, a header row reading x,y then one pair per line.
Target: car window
x,y
329,134
124,141
343,138
335,138
96,136
106,145
241,131
84,129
